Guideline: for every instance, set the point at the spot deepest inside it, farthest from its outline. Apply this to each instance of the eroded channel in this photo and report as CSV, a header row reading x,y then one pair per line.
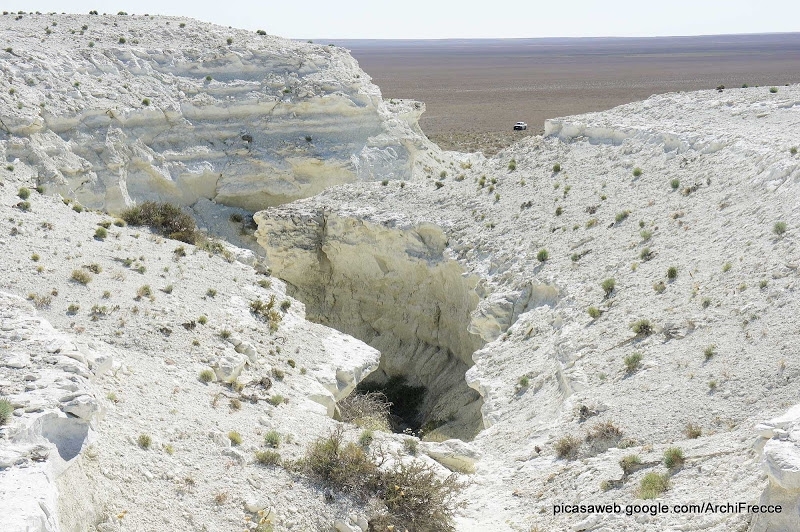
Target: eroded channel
x,y
394,289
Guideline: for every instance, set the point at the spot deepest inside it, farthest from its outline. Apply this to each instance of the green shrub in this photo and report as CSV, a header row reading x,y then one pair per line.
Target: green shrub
x,y
556,168
202,320
709,351
6,410
773,90
779,228
268,458
261,32
673,457
726,267
23,206
706,302
629,463
762,284
81,276
235,437
659,287
793,150
608,286
512,165
646,235
646,254
164,218
633,362
276,400
637,172
365,439
642,327
122,40
653,485
144,441
567,447
211,292
207,375
675,183
345,466
594,312
543,255
672,273
411,445
621,216
24,193
100,233
229,40
559,210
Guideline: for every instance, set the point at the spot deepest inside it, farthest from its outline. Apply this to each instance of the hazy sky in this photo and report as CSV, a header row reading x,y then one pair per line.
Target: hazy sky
x,y
433,19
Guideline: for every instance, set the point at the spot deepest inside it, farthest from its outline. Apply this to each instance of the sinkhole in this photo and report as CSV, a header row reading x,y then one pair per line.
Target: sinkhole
x,y
395,290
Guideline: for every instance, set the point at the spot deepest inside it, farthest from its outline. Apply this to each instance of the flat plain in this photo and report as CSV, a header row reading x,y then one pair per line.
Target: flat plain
x,y
476,89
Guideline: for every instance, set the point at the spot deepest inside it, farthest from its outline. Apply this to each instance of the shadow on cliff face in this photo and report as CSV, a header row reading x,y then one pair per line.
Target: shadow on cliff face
x,y
396,291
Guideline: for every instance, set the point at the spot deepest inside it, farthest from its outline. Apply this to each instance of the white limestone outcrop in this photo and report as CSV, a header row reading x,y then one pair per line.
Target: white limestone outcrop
x,y
779,445
173,112
56,412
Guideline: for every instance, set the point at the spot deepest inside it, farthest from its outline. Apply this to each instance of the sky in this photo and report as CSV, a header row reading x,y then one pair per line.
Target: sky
x,y
432,19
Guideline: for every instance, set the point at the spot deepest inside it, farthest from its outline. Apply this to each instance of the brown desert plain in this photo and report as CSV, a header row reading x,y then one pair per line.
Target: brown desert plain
x,y
475,90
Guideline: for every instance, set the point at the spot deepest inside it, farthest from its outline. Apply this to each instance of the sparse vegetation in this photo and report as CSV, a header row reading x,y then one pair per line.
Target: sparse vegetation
x,y
567,447
268,458
659,287
637,172
80,276
653,485
675,183
235,437
646,254
207,375
543,255
692,431
672,273
779,228
6,410
144,441
709,351
773,90
164,218
414,497
100,233
594,312
629,463
673,457
24,193
621,216
276,400
633,362
366,410
608,286
556,168
642,327
726,267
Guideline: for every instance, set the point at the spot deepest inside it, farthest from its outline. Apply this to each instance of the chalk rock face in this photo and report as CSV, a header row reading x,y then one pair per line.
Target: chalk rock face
x,y
390,285
779,440
180,114
56,408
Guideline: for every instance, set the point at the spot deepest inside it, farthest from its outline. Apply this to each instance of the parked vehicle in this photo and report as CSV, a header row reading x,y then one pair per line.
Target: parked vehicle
x,y
520,126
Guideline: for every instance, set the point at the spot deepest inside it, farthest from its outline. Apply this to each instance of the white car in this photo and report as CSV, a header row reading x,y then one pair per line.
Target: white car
x,y
520,126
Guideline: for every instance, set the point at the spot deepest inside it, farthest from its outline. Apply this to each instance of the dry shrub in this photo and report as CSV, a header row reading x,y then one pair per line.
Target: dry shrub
x,y
164,218
408,496
366,410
